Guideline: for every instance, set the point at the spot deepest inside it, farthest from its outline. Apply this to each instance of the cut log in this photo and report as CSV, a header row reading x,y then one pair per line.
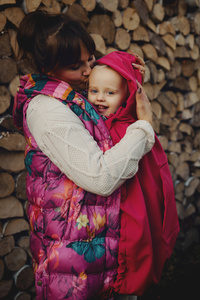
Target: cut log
x,y
183,171
150,52
137,49
170,55
5,287
110,49
13,41
158,13
24,278
22,296
188,68
5,47
16,259
8,69
14,14
2,267
21,186
186,128
117,18
15,226
181,24
163,62
157,42
189,41
89,5
190,99
68,2
149,4
164,141
130,19
147,75
193,3
194,53
140,34
10,207
78,13
99,43
156,109
108,5
180,40
2,21
151,26
15,82
181,83
123,4
141,9
164,100
2,2
165,28
172,96
191,185
175,71
7,244
122,39
5,99
7,184
173,159
52,6
170,41
174,147
7,122
13,142
24,242
181,52
12,161
103,25
31,5
160,75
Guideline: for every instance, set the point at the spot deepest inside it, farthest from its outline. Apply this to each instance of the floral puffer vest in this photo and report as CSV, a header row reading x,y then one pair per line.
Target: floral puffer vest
x,y
74,233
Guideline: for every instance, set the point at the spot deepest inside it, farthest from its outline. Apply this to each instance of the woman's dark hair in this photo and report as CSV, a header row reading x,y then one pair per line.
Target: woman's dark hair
x,y
52,41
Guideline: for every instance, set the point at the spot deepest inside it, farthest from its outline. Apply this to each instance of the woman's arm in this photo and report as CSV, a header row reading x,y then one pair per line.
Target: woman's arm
x,y
61,135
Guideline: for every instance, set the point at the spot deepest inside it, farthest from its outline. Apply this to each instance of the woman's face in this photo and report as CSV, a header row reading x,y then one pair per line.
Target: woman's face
x,y
76,75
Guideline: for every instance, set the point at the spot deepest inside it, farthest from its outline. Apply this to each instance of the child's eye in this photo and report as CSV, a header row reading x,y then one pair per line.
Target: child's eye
x,y
93,91
110,93
74,68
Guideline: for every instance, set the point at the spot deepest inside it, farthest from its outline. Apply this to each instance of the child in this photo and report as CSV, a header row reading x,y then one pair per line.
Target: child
x,y
72,183
149,222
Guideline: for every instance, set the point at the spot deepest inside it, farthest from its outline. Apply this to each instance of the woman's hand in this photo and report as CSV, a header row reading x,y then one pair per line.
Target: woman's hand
x,y
140,65
143,106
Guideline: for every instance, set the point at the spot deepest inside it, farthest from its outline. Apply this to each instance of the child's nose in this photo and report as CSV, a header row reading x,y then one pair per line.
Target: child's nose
x,y
100,97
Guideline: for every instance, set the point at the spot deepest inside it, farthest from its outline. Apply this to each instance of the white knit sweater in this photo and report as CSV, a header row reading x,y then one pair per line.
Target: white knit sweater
x,y
61,135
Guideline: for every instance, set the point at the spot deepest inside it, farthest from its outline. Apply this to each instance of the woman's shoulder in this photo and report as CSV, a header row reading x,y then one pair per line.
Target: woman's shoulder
x,y
50,106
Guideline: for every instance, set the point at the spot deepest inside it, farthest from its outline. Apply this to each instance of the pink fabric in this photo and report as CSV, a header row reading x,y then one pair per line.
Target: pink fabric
x,y
74,233
149,221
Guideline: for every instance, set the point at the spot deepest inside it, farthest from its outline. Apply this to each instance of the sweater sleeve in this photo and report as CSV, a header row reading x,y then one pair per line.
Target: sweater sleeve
x,y
61,136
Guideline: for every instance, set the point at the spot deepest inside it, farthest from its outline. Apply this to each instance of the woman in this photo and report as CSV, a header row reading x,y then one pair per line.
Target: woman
x,y
72,183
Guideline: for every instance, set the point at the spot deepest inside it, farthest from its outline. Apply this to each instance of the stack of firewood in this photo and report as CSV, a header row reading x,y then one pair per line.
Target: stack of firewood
x,y
166,34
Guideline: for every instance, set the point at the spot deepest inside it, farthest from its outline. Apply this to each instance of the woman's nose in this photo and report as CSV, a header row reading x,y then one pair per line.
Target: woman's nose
x,y
87,70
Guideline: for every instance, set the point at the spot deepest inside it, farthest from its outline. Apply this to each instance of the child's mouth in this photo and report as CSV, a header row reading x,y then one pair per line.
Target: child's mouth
x,y
101,108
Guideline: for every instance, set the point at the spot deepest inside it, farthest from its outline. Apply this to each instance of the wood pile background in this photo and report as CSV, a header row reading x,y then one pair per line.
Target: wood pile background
x,y
167,35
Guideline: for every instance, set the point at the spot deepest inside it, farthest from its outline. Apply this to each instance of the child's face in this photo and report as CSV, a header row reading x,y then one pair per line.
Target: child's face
x,y
107,90
77,75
